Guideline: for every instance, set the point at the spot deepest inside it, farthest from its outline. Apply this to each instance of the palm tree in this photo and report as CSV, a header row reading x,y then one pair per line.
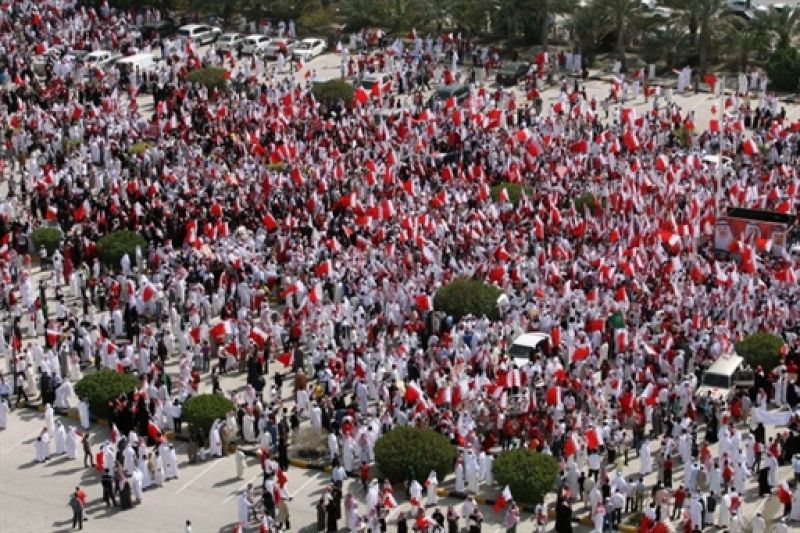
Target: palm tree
x,y
622,15
668,43
782,24
741,39
708,22
589,25
468,15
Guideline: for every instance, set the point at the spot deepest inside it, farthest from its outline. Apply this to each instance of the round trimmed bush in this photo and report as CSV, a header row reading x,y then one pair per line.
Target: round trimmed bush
x,y
467,296
514,191
201,411
333,91
139,148
406,447
761,349
102,387
530,475
50,238
211,77
113,246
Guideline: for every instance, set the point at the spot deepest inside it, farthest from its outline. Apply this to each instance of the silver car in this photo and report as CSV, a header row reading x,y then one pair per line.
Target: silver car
x,y
229,42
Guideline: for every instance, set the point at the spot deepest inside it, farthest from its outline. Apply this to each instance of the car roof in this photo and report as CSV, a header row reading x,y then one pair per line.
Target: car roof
x,y
451,89
725,365
531,340
311,40
190,26
231,34
256,36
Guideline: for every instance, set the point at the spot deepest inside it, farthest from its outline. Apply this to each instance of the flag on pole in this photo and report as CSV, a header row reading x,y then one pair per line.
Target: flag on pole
x,y
502,500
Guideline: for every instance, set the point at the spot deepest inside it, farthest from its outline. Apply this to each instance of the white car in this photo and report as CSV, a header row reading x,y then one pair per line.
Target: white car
x,y
200,33
255,44
101,59
229,42
280,46
308,49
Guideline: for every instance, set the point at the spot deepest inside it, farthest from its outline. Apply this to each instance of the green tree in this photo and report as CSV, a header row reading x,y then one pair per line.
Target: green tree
x,y
783,69
741,38
465,296
50,238
667,43
708,26
470,16
113,246
781,24
103,387
407,449
359,14
623,16
589,25
530,475
761,349
202,410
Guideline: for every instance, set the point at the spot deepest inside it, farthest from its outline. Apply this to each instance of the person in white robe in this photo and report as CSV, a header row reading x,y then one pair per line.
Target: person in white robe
x,y
171,463
73,441
333,446
3,414
794,514
147,479
415,493
137,487
471,472
49,419
243,507
214,441
431,485
348,446
645,458
158,476
46,443
63,394
248,427
83,414
459,484
128,459
725,511
488,475
38,446
240,461
60,436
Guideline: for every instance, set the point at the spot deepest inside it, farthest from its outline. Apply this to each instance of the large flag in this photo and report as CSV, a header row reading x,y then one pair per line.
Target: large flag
x,y
502,500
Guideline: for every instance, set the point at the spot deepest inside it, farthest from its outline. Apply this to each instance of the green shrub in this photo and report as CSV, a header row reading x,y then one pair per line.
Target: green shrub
x,y
201,411
530,475
514,191
761,349
114,245
211,77
683,136
333,91
50,238
466,296
276,167
102,387
635,518
783,69
139,148
406,447
586,200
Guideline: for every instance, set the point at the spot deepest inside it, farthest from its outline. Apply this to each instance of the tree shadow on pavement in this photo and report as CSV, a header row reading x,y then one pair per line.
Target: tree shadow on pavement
x,y
229,481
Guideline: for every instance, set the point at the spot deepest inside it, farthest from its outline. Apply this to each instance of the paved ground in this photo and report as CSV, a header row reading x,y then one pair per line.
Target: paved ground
x,y
34,497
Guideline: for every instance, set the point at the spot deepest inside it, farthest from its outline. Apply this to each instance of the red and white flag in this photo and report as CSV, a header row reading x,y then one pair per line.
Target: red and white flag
x,y
502,500
259,336
286,358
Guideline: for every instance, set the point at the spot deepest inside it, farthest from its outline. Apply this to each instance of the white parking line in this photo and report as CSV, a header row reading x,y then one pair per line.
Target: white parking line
x,y
198,476
304,485
23,441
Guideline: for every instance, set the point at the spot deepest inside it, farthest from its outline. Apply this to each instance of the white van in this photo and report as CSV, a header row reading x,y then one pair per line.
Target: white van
x,y
144,62
722,378
525,345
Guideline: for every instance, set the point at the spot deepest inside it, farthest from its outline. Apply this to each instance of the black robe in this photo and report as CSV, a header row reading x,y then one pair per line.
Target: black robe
x,y
563,517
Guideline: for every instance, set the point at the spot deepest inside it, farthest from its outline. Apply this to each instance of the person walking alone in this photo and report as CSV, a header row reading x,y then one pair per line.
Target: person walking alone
x,y
77,510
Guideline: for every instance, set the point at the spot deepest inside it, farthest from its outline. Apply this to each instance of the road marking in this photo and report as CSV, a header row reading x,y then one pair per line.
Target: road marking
x,y
20,443
198,476
238,491
304,485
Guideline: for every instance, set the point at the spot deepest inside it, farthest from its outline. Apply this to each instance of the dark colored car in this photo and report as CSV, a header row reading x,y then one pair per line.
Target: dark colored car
x,y
160,28
458,91
511,73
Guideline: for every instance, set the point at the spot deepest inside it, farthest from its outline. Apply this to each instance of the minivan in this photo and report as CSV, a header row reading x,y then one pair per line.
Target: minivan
x,y
723,377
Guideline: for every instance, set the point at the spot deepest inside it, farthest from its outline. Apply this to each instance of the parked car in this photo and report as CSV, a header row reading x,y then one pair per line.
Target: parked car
x,y
309,49
159,28
255,44
280,46
200,33
511,73
101,59
229,42
458,91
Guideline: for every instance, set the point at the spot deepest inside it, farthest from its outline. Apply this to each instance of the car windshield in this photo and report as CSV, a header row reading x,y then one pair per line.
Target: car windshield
x,y
510,67
184,32
520,351
304,46
717,380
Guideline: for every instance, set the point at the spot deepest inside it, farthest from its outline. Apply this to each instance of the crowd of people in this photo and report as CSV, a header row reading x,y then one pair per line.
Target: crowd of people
x,y
312,237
